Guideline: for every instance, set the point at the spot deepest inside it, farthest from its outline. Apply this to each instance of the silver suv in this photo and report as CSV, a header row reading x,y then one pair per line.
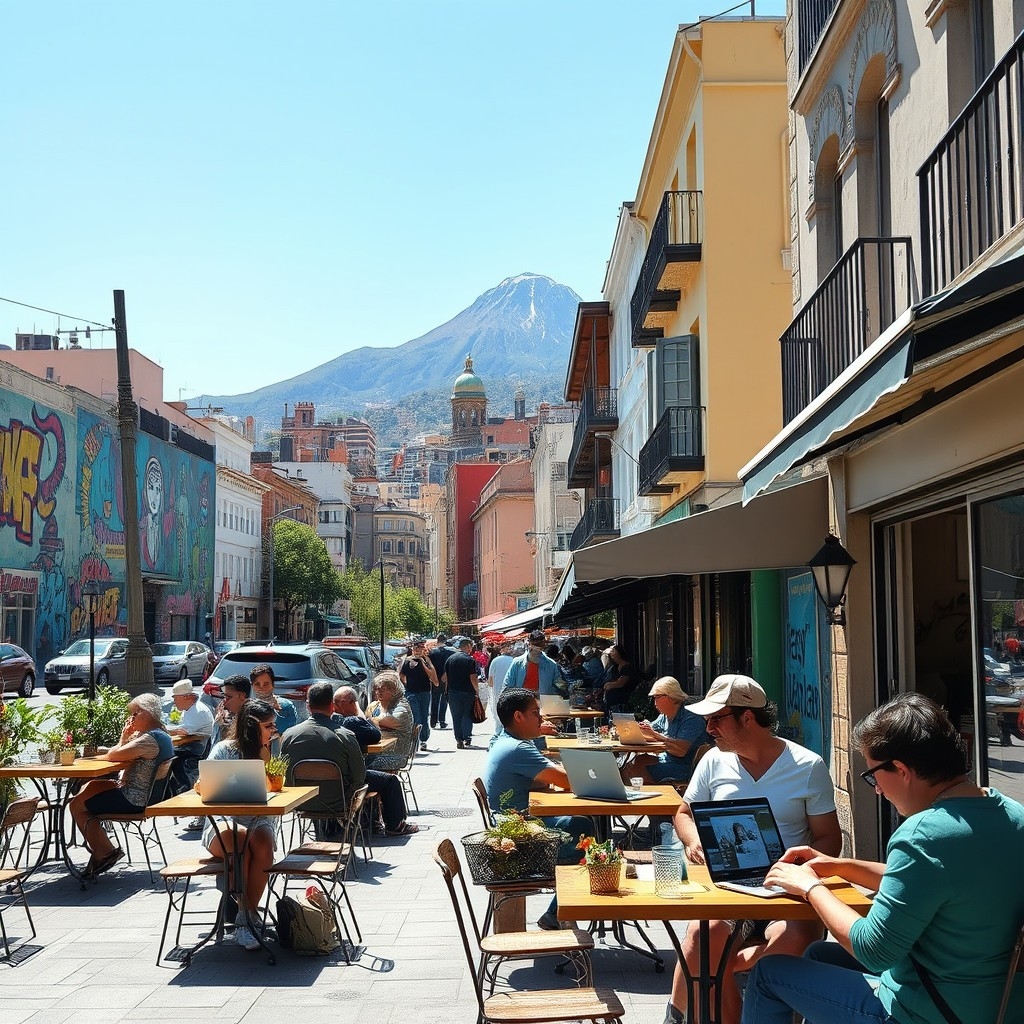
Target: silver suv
x,y
71,667
296,667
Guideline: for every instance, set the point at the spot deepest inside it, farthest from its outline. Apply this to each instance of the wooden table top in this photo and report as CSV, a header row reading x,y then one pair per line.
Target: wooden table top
x,y
546,804
181,739
386,743
636,900
188,805
555,743
82,768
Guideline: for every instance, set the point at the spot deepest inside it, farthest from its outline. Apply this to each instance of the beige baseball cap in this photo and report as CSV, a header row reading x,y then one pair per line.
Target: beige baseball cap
x,y
730,691
668,686
182,688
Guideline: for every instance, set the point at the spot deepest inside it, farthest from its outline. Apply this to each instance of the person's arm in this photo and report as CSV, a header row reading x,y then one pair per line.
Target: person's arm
x,y
865,873
826,835
475,681
428,667
133,747
553,776
686,829
616,684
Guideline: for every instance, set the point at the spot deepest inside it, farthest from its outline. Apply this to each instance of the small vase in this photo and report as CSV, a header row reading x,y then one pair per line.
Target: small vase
x,y
89,750
47,756
275,783
67,757
604,878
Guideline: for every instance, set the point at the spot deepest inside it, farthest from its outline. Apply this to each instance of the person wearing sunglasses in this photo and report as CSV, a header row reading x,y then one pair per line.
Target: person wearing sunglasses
x,y
935,944
750,760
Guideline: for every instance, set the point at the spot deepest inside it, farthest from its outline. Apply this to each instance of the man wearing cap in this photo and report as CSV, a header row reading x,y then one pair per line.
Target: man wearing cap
x,y
750,760
676,726
439,654
534,670
462,677
196,720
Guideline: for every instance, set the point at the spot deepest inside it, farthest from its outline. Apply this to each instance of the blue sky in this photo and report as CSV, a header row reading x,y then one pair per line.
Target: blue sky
x,y
274,184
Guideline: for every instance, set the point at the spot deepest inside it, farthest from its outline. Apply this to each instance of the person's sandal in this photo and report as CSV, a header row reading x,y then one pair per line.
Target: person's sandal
x,y
108,862
407,828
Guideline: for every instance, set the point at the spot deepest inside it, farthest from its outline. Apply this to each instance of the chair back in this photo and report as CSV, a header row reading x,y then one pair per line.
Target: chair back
x,y
701,751
447,859
17,817
481,801
316,770
158,785
1016,966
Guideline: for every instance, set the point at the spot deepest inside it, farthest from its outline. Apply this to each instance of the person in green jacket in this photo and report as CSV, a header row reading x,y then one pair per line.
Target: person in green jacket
x,y
948,906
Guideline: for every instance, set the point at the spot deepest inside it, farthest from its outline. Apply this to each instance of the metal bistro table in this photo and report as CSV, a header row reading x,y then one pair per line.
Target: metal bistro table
x,y
701,901
189,805
68,779
664,803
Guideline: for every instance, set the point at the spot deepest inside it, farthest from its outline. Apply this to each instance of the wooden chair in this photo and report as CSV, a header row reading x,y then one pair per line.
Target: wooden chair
x,y
404,772
186,871
1016,966
549,1005
480,792
16,831
326,865
13,829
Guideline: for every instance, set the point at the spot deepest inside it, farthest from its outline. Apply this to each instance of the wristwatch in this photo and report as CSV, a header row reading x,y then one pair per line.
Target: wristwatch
x,y
810,888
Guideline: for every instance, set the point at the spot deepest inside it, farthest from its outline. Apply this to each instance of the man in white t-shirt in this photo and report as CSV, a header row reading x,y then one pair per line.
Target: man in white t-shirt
x,y
496,672
749,760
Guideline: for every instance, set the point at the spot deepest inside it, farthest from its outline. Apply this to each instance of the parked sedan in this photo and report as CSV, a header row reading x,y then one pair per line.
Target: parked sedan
x,y
71,667
180,659
17,671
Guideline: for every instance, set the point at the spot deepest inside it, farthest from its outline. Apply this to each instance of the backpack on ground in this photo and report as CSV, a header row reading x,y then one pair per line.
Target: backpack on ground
x,y
306,925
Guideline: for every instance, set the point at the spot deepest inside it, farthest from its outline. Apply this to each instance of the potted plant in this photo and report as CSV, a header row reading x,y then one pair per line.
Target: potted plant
x,y
49,746
67,749
277,769
174,717
19,729
603,862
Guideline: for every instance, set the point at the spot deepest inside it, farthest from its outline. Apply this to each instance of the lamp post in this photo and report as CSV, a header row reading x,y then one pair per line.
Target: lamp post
x,y
90,599
273,519
382,563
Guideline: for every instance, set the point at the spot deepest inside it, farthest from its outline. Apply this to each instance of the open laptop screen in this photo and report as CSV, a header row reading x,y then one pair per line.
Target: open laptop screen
x,y
740,837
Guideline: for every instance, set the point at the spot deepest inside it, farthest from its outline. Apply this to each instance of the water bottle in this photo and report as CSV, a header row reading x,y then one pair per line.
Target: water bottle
x,y
669,838
579,726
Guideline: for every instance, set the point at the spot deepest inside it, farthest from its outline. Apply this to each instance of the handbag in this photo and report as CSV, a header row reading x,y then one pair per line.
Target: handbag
x,y
479,711
940,1003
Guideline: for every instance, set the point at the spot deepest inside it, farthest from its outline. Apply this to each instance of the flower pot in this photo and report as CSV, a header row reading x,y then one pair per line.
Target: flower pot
x,y
604,878
89,750
67,757
531,861
275,783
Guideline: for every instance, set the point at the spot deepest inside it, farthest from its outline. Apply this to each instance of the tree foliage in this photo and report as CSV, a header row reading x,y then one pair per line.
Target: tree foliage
x,y
405,611
303,570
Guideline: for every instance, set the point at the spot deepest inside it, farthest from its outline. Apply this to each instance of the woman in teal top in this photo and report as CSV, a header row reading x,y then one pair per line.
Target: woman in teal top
x,y
948,897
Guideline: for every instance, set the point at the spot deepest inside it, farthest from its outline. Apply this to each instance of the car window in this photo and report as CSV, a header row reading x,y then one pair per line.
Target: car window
x,y
334,667
6,651
287,667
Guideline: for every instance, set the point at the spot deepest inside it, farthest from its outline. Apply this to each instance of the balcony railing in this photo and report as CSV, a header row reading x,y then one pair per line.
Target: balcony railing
x,y
600,520
676,445
862,295
812,16
599,410
972,185
674,249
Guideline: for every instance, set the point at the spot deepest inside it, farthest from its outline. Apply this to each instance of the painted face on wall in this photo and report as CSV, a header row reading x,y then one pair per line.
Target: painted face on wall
x,y
154,486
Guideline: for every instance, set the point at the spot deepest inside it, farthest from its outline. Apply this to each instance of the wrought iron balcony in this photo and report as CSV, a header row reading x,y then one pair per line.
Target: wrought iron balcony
x,y
812,17
862,295
599,410
971,187
600,522
669,265
675,447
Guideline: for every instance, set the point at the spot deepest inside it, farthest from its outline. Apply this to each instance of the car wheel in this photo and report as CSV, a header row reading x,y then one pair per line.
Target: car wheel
x,y
183,674
102,678
53,690
28,685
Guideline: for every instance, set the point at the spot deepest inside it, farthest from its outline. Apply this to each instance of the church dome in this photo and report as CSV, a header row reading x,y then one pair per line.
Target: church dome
x,y
468,384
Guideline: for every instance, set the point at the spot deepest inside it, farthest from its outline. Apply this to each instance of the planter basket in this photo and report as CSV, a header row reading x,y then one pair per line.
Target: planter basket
x,y
604,878
531,861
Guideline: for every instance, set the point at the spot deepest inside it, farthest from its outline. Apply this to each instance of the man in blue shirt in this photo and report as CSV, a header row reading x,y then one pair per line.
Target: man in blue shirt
x,y
681,731
515,767
534,670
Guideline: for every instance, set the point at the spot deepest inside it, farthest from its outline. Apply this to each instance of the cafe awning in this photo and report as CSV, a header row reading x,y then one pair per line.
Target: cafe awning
x,y
520,620
780,529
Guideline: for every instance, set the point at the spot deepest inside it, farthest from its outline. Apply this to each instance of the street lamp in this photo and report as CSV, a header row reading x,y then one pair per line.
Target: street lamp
x,y
831,567
91,600
382,563
274,519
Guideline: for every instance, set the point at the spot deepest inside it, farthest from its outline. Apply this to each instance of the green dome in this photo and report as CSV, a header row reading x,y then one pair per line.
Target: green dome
x,y
468,384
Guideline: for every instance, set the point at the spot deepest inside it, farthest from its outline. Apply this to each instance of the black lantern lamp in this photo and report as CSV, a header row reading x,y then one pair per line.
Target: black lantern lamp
x,y
90,602
831,567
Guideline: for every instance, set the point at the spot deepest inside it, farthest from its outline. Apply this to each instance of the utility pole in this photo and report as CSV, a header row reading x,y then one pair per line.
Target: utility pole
x,y
139,657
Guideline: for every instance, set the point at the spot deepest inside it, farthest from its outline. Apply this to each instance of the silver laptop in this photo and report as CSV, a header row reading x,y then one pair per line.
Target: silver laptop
x,y
594,775
552,704
741,842
628,729
232,782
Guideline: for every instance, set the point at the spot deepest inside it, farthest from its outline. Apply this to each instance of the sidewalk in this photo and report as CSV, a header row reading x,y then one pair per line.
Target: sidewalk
x,y
97,964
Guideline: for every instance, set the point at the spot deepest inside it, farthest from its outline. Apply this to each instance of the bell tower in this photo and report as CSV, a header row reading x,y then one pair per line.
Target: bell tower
x,y
469,408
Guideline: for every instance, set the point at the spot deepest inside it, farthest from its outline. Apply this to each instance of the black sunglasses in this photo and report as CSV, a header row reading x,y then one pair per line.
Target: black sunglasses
x,y
869,775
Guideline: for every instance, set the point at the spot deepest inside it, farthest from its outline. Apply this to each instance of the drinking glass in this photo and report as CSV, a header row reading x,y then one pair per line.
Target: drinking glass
x,y
668,871
636,783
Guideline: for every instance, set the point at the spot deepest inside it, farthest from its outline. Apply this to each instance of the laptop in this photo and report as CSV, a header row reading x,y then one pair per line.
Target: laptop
x,y
232,782
594,775
629,731
552,704
741,842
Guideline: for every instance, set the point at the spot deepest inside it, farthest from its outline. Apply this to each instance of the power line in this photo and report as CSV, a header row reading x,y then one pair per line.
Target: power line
x,y
720,14
53,312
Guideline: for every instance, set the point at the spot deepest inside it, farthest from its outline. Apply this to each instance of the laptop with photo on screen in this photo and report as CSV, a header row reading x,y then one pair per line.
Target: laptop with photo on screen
x,y
552,704
628,729
232,782
594,775
741,842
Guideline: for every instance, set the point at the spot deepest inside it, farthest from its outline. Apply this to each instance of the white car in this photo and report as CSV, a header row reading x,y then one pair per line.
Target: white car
x,y
180,659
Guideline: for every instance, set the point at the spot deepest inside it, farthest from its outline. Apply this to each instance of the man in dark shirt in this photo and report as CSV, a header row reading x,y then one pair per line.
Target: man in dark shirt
x,y
439,655
419,679
348,713
461,675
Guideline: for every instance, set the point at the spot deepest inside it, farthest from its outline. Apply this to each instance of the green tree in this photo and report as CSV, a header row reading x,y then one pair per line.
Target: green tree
x,y
303,570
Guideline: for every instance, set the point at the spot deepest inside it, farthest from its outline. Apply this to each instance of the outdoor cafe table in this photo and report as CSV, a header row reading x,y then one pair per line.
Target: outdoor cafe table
x,y
701,901
68,779
385,744
556,743
665,803
189,805
184,738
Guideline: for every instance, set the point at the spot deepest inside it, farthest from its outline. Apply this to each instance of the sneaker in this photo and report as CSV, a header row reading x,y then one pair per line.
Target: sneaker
x,y
440,725
423,748
195,825
549,922
245,938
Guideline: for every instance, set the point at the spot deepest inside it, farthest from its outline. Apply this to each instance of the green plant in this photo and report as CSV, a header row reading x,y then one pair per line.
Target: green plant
x,y
174,717
277,765
595,853
109,713
51,740
68,742
20,728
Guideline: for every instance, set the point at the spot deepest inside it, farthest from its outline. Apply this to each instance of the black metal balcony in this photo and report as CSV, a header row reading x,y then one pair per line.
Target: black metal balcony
x,y
599,410
971,187
675,447
812,17
669,265
600,522
862,295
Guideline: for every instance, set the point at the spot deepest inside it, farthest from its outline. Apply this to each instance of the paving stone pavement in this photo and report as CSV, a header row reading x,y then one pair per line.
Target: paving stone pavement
x,y
99,946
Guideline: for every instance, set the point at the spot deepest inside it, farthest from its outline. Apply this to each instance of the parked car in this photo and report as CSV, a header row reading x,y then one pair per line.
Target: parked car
x,y
71,666
296,667
364,662
222,647
180,659
17,671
